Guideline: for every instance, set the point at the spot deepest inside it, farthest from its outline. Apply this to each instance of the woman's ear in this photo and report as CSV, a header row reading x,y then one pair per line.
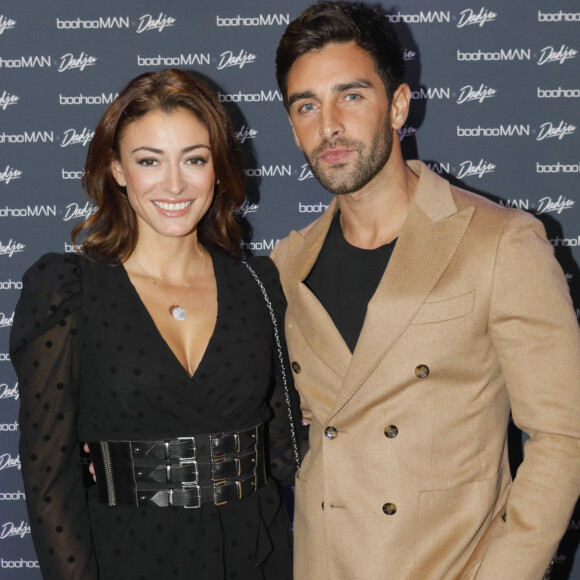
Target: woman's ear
x,y
117,171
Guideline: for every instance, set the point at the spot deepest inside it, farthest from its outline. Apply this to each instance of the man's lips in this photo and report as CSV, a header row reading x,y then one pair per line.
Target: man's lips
x,y
335,156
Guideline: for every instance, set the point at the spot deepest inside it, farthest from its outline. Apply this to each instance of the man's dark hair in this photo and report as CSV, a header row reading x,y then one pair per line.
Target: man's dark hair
x,y
337,22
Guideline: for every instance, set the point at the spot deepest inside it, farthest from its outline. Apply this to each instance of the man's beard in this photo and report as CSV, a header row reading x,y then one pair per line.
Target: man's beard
x,y
340,181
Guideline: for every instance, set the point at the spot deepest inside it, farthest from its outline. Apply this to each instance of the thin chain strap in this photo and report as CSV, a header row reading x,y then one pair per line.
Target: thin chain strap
x,y
282,365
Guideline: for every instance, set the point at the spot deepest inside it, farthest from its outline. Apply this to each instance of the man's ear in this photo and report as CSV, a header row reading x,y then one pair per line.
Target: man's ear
x,y
117,171
400,106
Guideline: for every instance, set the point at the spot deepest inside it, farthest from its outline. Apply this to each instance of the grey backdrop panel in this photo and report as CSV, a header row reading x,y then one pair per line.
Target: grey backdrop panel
x,y
496,91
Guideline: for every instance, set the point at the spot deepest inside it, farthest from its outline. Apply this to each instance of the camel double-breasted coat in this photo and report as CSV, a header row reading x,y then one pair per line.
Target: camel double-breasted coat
x,y
407,477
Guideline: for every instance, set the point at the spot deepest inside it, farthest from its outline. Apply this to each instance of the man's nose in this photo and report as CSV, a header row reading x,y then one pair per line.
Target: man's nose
x,y
330,121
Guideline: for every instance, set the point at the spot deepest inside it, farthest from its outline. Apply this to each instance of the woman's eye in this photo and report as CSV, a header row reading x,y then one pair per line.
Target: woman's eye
x,y
147,162
196,161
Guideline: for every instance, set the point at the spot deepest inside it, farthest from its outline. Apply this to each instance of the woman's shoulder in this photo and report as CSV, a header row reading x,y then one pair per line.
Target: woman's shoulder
x,y
63,269
53,263
51,290
53,276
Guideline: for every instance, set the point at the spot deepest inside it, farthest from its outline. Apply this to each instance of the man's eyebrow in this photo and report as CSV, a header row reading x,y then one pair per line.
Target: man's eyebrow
x,y
299,96
338,88
358,84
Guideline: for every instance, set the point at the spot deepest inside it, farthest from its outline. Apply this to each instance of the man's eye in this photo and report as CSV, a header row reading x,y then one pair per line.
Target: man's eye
x,y
352,97
306,108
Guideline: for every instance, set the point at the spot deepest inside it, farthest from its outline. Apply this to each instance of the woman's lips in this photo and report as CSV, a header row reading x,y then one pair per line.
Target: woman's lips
x,y
173,209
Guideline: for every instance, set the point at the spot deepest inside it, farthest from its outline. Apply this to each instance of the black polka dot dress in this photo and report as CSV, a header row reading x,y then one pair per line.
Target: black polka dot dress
x,y
92,366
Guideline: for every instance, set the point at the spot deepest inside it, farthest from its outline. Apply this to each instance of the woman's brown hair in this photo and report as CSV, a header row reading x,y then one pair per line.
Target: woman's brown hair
x,y
112,230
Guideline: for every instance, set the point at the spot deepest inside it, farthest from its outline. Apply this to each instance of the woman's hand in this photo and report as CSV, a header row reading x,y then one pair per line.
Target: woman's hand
x,y
91,466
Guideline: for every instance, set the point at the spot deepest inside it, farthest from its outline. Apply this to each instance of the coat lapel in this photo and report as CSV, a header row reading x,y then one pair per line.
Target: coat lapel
x,y
430,237
315,324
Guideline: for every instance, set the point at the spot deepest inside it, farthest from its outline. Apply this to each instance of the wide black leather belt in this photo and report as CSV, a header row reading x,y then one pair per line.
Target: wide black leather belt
x,y
183,472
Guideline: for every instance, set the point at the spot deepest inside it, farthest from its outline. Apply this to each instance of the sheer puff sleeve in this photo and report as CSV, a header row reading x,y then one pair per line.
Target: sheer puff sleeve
x,y
44,350
280,442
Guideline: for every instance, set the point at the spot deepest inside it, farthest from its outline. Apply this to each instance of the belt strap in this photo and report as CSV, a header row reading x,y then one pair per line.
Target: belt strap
x,y
195,496
212,445
191,471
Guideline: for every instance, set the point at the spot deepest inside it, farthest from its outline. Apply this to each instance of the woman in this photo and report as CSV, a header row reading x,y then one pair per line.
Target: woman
x,y
154,345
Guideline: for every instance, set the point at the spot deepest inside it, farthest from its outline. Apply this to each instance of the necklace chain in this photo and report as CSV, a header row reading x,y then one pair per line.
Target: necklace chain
x,y
176,309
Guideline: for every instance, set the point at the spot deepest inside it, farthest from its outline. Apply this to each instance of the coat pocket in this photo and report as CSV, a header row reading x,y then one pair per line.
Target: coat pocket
x,y
447,309
450,523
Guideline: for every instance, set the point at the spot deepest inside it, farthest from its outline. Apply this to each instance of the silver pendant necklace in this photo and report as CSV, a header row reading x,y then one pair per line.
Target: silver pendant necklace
x,y
175,309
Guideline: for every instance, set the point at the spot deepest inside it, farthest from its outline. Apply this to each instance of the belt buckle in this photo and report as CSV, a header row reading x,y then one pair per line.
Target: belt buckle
x,y
217,484
214,438
193,447
190,485
185,462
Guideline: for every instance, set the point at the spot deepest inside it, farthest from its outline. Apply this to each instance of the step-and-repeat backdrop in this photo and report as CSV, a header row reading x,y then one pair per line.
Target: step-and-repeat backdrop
x,y
496,99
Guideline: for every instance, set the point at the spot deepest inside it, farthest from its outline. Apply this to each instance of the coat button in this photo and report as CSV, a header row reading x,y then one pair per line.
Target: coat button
x,y
422,371
391,431
330,432
296,367
389,509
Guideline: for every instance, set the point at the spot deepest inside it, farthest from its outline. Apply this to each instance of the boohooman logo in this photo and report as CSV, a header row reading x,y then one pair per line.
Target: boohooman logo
x,y
181,60
19,564
260,20
96,24
560,16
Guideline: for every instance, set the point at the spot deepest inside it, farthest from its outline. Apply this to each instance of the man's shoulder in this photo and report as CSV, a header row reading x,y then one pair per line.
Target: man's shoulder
x,y
433,187
490,217
465,198
490,209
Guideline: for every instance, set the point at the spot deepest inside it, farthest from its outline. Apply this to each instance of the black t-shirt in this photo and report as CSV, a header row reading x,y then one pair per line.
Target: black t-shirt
x,y
344,279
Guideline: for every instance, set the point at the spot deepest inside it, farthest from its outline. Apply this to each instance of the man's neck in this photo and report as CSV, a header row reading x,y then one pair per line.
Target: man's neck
x,y
375,215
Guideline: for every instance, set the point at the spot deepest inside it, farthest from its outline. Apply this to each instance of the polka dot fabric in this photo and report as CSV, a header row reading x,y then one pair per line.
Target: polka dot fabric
x,y
92,366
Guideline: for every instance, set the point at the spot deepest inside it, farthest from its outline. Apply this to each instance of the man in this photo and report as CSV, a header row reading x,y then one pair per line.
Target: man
x,y
407,372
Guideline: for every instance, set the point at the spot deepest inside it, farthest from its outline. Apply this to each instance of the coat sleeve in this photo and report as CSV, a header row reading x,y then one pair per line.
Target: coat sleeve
x,y
536,336
45,354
